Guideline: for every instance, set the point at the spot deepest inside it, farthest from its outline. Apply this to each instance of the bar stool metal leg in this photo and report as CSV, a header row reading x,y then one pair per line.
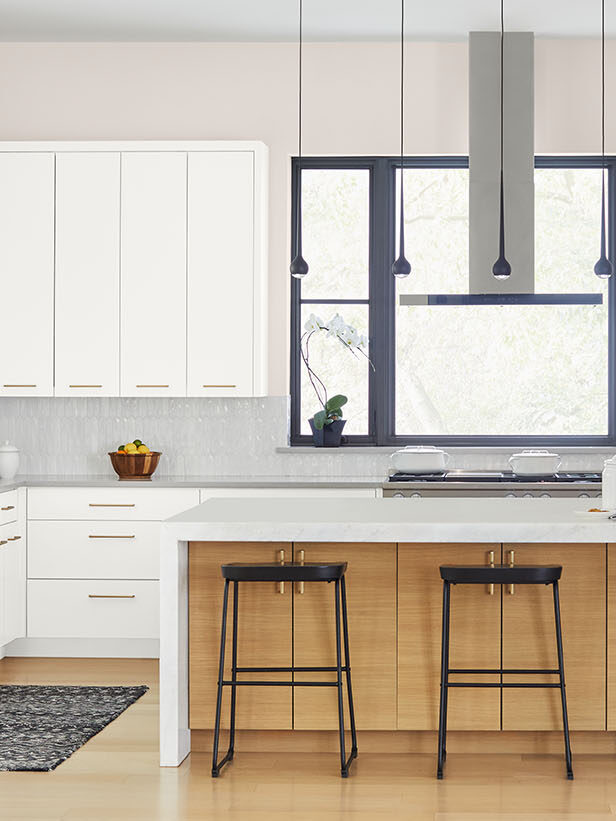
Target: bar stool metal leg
x,y
343,763
236,590
221,670
347,662
442,724
561,670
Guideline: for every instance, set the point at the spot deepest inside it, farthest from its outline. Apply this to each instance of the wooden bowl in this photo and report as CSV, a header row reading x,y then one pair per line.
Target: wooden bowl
x,y
137,468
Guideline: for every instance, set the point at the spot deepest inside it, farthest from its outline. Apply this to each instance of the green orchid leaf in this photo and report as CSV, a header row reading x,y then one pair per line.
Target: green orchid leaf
x,y
336,402
319,420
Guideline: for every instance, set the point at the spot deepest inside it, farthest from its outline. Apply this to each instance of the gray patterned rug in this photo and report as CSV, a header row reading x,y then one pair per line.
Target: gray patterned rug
x,y
40,727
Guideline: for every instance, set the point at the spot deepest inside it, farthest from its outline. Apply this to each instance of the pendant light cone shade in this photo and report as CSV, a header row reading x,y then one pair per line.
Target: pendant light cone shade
x,y
401,267
603,266
501,268
299,267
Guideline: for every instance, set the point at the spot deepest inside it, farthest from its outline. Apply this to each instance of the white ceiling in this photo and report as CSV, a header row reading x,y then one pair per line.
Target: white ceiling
x,y
271,20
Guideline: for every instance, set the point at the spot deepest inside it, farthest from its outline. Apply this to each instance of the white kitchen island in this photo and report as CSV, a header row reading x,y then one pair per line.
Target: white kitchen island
x,y
392,522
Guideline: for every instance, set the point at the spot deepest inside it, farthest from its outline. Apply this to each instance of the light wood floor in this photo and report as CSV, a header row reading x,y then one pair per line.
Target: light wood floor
x,y
115,777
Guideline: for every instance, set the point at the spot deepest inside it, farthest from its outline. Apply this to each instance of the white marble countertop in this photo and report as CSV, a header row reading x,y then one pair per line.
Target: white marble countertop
x,y
391,520
205,481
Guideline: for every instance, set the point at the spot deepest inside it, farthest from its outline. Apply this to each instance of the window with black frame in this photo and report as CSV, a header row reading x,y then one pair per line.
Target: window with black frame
x,y
451,374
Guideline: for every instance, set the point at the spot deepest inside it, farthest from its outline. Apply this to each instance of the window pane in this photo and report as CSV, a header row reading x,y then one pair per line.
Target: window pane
x,y
338,368
335,206
508,370
514,370
436,230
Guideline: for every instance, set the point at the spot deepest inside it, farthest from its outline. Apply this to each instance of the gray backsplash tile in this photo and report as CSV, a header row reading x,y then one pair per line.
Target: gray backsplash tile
x,y
226,437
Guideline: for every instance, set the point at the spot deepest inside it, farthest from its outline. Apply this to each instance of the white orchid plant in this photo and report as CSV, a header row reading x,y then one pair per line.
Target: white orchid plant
x,y
347,335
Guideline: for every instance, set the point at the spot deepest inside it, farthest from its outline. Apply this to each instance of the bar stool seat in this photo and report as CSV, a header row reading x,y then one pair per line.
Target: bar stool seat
x,y
289,572
500,574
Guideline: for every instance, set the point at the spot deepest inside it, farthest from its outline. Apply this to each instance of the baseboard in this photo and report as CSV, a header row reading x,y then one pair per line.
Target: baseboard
x,y
84,648
408,742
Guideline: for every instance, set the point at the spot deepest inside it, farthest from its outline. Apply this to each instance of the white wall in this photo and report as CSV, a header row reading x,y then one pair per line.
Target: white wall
x,y
247,91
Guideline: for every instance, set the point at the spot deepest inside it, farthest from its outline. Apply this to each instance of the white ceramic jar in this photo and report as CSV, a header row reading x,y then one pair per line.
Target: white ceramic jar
x,y
420,459
9,461
608,484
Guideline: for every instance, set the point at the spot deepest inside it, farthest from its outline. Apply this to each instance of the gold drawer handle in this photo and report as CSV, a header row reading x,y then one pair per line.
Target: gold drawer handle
x,y
8,507
281,559
110,596
85,386
3,541
14,538
219,386
151,386
491,564
511,587
110,504
95,536
302,554
19,386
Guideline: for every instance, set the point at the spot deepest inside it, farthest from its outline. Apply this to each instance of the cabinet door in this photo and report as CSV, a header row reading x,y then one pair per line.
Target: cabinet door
x,y
153,274
87,274
220,273
474,639
371,597
264,637
26,266
12,583
611,637
529,638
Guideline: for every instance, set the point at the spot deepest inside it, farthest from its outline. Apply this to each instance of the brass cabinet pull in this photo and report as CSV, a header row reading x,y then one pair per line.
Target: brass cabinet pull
x,y
19,386
151,386
3,541
302,554
8,507
110,596
95,536
109,504
85,386
491,564
281,559
511,587
14,538
219,386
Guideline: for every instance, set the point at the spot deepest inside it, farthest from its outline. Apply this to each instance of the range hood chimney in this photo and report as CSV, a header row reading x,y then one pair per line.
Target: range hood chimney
x,y
518,160
484,178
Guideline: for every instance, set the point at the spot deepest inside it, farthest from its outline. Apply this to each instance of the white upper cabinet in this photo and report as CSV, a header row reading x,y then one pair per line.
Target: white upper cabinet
x,y
26,273
221,268
153,274
87,274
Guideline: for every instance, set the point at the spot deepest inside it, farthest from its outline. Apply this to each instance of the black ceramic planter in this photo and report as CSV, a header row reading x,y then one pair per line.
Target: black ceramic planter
x,y
330,436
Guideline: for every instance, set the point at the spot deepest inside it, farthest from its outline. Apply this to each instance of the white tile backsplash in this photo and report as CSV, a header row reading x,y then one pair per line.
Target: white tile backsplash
x,y
224,437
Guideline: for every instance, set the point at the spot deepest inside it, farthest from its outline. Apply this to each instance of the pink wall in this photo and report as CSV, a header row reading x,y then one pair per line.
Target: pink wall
x,y
86,91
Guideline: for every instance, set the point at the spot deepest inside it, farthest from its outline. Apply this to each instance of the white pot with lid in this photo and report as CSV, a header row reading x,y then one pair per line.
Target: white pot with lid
x,y
9,461
534,463
420,459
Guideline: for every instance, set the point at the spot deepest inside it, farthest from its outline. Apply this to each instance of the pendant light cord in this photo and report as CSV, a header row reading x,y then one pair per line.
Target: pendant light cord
x,y
502,86
298,227
402,3
603,83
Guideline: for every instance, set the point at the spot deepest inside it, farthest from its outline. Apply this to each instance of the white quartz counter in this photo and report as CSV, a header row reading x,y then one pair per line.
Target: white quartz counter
x,y
392,520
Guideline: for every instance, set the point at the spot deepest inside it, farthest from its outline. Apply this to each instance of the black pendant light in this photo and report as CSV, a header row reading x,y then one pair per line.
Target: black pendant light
x,y
501,268
401,267
603,267
299,266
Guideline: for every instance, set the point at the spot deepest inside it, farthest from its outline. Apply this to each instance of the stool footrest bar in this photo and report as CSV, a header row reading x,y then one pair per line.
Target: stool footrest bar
x,y
290,669
503,685
472,672
280,683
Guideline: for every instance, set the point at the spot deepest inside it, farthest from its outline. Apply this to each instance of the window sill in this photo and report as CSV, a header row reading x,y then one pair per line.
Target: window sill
x,y
370,449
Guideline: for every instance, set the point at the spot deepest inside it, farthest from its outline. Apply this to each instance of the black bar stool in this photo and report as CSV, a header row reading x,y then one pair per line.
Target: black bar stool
x,y
499,574
292,572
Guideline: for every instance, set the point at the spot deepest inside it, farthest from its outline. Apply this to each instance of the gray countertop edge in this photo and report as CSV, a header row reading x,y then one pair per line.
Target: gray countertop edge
x,y
197,482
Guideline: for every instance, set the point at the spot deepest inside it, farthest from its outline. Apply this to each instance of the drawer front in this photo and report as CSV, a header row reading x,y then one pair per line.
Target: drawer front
x,y
104,608
287,492
93,550
9,507
109,503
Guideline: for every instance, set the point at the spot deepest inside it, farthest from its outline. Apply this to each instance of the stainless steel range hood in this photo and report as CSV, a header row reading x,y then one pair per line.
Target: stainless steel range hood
x,y
484,178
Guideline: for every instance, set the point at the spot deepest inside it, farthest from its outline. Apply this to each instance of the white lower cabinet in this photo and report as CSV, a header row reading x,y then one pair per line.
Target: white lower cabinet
x,y
12,572
102,608
93,550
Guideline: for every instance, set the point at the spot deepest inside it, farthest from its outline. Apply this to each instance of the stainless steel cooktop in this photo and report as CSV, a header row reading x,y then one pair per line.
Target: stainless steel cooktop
x,y
492,483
